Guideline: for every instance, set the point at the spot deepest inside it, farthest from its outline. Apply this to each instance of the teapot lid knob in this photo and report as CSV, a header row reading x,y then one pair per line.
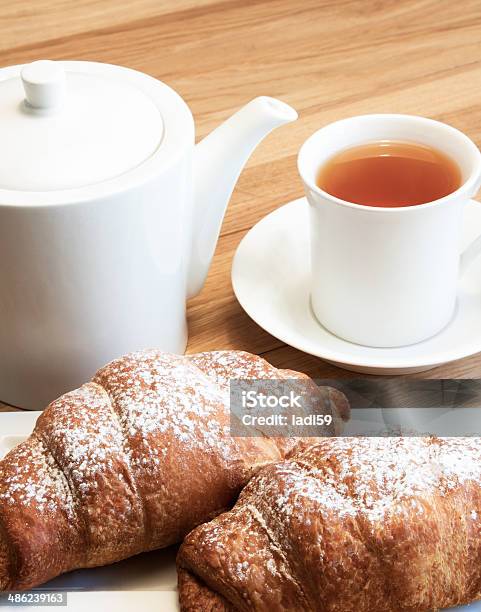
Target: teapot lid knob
x,y
44,84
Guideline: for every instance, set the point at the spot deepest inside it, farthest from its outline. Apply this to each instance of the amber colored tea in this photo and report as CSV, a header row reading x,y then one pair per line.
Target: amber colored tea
x,y
389,173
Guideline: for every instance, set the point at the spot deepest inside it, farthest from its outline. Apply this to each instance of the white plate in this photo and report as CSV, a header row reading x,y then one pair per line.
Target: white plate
x,y
271,275
146,582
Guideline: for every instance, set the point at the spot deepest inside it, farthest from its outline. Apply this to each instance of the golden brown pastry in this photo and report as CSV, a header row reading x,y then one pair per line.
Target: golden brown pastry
x,y
349,525
129,462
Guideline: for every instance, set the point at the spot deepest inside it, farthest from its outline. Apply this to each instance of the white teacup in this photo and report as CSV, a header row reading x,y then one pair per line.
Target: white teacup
x,y
387,277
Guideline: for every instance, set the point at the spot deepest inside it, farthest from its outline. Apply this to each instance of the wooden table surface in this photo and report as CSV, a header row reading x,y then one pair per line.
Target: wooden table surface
x,y
329,59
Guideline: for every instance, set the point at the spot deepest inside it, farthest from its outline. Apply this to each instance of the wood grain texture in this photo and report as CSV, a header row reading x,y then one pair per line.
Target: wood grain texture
x,y
329,59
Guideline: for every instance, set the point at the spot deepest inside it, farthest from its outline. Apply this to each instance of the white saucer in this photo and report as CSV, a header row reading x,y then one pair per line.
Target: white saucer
x,y
270,276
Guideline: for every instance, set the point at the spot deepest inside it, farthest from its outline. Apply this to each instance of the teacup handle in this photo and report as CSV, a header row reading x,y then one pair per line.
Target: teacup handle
x,y
469,255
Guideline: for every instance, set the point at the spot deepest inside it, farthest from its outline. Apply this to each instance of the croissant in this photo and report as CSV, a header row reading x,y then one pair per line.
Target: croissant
x,y
130,462
348,525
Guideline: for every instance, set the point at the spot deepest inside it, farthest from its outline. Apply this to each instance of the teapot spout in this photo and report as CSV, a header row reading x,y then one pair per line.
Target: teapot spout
x,y
218,161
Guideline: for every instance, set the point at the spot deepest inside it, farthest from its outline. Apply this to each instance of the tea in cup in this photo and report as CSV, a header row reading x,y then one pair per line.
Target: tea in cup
x,y
390,173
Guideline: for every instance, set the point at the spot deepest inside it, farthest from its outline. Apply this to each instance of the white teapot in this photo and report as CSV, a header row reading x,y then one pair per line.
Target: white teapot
x,y
109,217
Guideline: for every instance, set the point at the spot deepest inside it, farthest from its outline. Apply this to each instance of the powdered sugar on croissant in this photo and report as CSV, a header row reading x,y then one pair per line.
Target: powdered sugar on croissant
x,y
129,462
348,525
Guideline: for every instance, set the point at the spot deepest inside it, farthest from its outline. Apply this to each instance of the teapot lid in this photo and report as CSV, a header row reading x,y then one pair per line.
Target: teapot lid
x,y
67,126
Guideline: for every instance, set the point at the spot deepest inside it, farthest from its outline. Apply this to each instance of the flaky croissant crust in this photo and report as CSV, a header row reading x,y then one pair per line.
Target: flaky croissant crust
x,y
349,525
131,461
